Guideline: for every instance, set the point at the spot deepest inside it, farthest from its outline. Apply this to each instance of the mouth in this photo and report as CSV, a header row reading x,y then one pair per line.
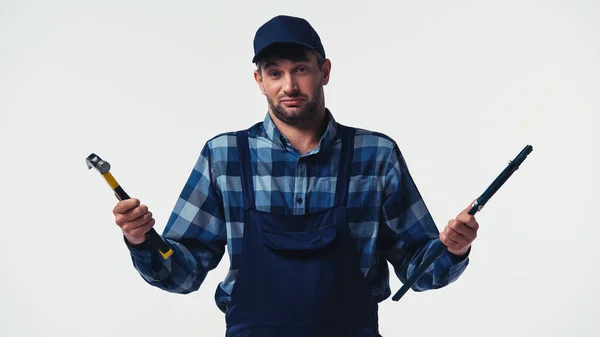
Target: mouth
x,y
291,102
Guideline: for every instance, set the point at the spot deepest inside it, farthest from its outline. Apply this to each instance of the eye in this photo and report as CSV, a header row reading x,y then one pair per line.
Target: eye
x,y
273,73
302,69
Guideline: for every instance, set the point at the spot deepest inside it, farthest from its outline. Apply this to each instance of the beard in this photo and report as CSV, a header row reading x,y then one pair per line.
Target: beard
x,y
310,112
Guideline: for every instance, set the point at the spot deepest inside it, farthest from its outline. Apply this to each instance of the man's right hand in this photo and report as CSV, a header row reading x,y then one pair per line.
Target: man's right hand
x,y
134,219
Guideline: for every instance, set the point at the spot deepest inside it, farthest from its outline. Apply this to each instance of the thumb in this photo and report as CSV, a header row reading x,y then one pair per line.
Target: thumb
x,y
466,210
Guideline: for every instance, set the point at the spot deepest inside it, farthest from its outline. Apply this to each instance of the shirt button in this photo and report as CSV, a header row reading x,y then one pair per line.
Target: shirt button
x,y
299,200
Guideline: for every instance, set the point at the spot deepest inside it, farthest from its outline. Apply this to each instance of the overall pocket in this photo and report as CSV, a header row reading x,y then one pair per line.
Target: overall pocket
x,y
299,240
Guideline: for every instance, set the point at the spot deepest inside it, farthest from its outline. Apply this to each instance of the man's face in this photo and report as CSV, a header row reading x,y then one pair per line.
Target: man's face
x,y
294,89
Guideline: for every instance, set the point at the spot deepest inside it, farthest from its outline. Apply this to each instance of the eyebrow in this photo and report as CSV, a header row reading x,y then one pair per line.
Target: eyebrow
x,y
270,64
274,63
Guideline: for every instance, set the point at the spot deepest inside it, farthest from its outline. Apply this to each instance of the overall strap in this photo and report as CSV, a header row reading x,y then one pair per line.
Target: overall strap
x,y
344,165
245,168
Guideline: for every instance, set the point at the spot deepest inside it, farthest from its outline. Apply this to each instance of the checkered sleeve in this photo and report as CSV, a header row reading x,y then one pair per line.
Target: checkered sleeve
x,y
195,231
410,232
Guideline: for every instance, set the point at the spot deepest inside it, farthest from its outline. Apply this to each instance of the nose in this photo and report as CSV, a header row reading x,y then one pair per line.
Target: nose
x,y
290,86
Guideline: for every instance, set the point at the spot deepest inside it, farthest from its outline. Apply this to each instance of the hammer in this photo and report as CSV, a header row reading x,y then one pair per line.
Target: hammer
x,y
155,240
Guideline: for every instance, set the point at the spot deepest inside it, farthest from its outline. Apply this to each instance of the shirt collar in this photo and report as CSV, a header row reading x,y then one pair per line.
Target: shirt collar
x,y
327,139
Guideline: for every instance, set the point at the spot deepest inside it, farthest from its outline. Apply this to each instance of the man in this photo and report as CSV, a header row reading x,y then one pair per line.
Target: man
x,y
311,211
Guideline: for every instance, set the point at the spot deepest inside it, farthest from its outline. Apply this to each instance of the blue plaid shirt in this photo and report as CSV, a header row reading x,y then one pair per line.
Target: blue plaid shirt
x,y
387,216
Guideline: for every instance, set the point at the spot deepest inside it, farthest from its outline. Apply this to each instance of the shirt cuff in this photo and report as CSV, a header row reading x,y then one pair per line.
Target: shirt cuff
x,y
140,251
459,258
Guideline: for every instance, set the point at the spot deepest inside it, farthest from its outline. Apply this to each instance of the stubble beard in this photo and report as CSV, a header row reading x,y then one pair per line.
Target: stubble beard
x,y
310,113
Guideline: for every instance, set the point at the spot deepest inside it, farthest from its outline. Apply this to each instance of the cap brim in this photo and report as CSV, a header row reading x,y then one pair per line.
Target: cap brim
x,y
261,51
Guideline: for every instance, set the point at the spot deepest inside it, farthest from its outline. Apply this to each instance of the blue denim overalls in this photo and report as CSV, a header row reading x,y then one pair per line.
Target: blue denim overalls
x,y
299,275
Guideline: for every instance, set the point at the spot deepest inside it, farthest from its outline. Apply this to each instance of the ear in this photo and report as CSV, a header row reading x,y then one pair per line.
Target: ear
x,y
259,80
326,70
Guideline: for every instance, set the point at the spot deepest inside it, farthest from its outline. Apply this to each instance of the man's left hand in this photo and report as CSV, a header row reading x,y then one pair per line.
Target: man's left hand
x,y
460,233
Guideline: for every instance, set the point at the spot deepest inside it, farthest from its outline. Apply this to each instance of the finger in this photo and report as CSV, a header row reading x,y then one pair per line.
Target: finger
x,y
135,213
448,242
131,215
451,236
463,229
140,231
468,208
137,222
454,242
460,239
125,205
468,220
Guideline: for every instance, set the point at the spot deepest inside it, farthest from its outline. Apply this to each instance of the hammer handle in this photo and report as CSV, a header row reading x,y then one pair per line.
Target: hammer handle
x,y
152,237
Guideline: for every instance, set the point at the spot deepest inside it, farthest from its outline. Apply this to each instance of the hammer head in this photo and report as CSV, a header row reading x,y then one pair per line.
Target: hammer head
x,y
96,162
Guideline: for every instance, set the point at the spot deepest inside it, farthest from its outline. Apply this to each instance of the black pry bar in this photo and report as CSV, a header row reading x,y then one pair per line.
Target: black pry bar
x,y
476,207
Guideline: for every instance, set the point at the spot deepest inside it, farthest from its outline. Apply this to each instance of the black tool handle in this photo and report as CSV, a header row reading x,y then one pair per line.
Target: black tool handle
x,y
152,237
476,207
437,251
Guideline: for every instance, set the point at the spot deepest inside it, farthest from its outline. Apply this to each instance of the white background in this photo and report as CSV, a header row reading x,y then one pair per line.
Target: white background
x,y
462,86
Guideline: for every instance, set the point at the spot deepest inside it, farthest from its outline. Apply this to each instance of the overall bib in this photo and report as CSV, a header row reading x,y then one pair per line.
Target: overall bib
x,y
299,275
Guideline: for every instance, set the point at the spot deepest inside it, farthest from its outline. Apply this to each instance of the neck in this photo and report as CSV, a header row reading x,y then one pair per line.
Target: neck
x,y
304,136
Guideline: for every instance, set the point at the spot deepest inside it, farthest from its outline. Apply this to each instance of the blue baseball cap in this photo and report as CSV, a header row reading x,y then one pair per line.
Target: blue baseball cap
x,y
286,29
